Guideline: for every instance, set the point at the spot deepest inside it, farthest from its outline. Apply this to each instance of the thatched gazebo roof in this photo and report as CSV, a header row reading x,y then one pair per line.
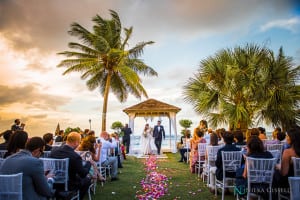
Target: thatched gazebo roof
x,y
151,107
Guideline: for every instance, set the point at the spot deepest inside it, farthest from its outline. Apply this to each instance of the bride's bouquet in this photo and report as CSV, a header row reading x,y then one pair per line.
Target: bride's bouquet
x,y
145,134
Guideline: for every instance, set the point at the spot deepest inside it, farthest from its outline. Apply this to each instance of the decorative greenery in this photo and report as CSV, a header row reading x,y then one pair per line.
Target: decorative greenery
x,y
69,130
185,123
117,126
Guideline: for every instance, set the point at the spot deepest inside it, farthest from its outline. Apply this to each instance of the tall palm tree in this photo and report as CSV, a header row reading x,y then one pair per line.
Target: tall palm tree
x,y
233,87
103,59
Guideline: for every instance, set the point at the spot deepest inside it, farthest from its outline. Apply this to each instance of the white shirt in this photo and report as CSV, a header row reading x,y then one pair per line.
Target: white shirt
x,y
106,146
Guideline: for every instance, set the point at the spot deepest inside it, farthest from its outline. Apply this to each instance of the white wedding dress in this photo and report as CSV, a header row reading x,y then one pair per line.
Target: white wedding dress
x,y
146,139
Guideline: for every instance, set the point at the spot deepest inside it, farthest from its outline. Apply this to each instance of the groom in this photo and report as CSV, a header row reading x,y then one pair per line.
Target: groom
x,y
158,133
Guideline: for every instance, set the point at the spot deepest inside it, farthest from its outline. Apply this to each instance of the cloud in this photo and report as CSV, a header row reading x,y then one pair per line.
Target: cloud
x,y
44,24
30,96
292,24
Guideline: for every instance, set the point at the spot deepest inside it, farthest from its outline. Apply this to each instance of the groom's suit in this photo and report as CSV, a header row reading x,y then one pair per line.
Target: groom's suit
x,y
158,134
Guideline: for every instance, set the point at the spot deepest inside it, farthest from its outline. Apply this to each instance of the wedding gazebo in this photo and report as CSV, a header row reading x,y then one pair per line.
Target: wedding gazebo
x,y
154,108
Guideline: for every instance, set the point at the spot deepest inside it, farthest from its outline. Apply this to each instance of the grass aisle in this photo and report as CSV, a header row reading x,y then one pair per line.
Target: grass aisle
x,y
182,184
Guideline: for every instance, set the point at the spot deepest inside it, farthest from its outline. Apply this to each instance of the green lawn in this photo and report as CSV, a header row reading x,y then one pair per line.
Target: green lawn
x,y
182,184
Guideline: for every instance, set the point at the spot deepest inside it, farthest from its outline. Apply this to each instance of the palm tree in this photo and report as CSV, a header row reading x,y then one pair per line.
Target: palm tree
x,y
282,93
104,61
233,87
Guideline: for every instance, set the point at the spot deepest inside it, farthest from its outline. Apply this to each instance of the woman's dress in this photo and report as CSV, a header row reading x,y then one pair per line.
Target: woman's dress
x,y
146,142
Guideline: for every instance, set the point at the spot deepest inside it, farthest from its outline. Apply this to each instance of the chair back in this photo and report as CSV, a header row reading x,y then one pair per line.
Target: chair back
x,y
46,154
294,183
276,154
202,149
212,153
59,167
260,171
1,161
270,147
11,186
296,164
231,161
2,153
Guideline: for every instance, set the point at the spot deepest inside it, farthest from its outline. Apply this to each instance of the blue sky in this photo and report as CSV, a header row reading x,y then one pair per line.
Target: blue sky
x,y
184,32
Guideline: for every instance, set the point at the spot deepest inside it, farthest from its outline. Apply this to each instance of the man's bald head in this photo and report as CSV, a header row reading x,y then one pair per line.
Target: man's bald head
x,y
73,139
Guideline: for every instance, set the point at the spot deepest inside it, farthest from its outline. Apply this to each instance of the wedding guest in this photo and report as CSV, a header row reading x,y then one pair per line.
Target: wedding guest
x,y
255,149
196,139
16,142
286,168
105,160
126,138
60,136
229,146
116,150
239,137
34,182
262,133
6,135
78,179
184,149
48,139
90,151
16,126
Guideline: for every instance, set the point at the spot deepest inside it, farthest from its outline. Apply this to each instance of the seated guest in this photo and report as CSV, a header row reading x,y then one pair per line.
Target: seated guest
x,y
239,138
183,148
90,151
78,179
229,146
212,165
16,142
105,160
286,168
255,149
60,136
194,156
34,182
6,135
262,133
48,138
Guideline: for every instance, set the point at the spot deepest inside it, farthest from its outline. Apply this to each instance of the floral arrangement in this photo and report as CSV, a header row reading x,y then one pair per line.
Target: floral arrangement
x,y
155,185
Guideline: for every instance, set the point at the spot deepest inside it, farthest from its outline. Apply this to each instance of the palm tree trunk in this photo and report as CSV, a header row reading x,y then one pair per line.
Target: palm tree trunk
x,y
105,101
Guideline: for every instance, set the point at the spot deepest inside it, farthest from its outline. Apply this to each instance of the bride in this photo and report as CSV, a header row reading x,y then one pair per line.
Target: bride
x,y
146,139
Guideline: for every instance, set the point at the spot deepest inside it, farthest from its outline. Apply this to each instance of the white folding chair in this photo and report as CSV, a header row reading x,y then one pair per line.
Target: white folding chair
x,y
46,154
276,154
11,187
270,147
294,183
1,161
210,160
231,161
187,147
2,153
260,171
296,164
60,168
201,155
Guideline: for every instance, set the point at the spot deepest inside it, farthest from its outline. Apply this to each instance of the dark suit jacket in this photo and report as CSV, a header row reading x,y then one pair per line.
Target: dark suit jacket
x,y
127,131
76,169
219,165
35,184
159,134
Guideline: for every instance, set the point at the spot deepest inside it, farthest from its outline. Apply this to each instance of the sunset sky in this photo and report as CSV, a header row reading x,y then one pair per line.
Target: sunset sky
x,y
32,32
